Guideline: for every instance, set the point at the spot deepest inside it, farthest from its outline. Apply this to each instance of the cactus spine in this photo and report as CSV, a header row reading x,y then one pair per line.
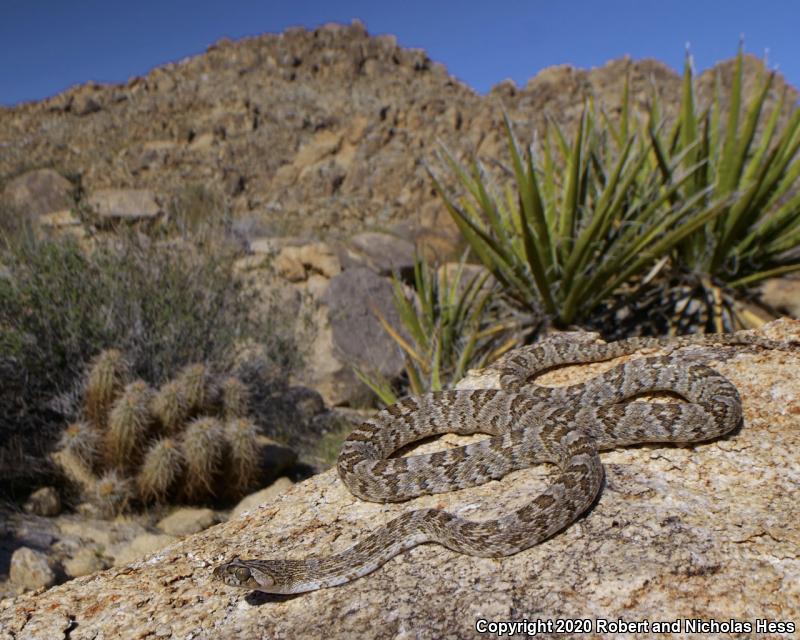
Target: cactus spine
x,y
151,446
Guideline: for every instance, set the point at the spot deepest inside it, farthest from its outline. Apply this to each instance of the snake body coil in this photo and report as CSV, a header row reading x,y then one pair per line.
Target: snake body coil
x,y
528,424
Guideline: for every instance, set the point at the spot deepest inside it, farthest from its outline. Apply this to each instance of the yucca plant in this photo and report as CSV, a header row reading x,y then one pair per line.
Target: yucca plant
x,y
447,329
749,163
583,218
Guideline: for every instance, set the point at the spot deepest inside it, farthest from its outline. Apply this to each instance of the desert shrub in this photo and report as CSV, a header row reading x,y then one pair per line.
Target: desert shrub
x,y
194,209
164,305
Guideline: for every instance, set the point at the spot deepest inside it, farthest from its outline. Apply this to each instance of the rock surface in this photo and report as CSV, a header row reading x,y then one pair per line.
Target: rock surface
x,y
382,252
708,531
280,486
353,335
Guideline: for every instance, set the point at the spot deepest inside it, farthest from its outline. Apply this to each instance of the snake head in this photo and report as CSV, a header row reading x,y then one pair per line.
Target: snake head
x,y
247,574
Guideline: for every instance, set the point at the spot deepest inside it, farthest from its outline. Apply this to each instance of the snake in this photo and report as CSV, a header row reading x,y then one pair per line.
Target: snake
x,y
528,424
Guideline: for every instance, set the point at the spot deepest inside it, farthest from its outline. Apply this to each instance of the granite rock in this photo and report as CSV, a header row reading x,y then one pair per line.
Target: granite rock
x,y
707,531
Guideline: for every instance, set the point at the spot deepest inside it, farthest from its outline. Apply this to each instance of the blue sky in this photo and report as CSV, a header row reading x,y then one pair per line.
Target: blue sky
x,y
49,45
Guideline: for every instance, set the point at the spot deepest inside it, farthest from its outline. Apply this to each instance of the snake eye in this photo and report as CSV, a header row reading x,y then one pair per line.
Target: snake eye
x,y
242,574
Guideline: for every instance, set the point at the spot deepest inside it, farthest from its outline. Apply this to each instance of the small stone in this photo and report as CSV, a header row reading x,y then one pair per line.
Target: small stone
x,y
44,502
324,143
319,257
31,569
277,488
84,562
233,183
58,219
184,522
141,546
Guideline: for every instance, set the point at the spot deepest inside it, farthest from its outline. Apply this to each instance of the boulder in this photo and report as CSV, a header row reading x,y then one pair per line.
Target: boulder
x,y
30,569
783,293
130,205
350,333
277,488
84,104
295,263
142,545
275,457
39,193
85,561
98,531
289,266
183,522
384,253
704,531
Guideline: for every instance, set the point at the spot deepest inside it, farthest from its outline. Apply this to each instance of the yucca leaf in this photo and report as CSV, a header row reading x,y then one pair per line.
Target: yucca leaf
x,y
380,387
531,208
548,192
766,139
416,386
600,220
408,315
713,138
570,196
726,171
404,345
561,139
688,120
751,120
667,242
763,275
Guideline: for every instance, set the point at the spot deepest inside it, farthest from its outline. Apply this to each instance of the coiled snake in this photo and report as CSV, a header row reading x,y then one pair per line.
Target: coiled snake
x,y
529,424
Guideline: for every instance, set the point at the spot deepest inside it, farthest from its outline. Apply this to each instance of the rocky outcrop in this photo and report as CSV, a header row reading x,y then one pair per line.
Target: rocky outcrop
x,y
39,193
321,131
708,531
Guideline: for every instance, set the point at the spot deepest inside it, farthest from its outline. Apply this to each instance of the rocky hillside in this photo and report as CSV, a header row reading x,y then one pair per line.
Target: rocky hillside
x,y
308,131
